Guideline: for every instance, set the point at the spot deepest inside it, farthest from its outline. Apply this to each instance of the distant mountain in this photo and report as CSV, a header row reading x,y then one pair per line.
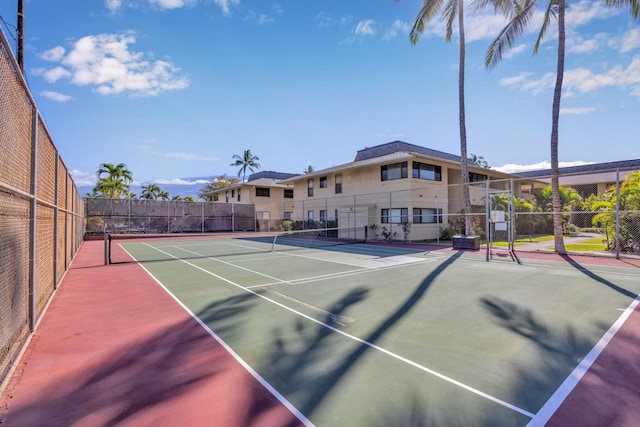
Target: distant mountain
x,y
180,186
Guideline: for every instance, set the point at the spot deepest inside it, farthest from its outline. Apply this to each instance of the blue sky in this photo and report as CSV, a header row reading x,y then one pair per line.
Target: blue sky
x,y
175,88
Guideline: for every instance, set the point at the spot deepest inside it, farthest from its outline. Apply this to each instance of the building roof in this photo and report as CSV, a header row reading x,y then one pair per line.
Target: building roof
x,y
270,175
623,165
397,146
391,151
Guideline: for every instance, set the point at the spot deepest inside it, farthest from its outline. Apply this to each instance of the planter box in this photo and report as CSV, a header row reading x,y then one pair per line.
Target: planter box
x,y
466,242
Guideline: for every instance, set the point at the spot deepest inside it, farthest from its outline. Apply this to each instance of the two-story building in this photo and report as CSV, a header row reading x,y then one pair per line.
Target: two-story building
x,y
396,190
273,200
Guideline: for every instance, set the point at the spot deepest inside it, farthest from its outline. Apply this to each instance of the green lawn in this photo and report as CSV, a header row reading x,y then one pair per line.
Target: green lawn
x,y
591,245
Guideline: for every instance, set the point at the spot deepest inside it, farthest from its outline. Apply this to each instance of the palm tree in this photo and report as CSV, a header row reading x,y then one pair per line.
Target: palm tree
x,y
452,9
247,161
150,192
479,161
308,169
521,15
116,182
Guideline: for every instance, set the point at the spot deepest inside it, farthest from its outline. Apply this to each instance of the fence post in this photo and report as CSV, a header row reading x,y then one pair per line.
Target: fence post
x,y
56,213
617,213
33,220
487,218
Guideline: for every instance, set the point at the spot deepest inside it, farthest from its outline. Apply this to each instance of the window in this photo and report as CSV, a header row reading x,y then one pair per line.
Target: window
x,y
310,187
226,196
233,193
288,193
395,216
427,171
263,192
238,194
427,216
338,183
310,215
323,215
477,177
288,216
394,171
323,182
215,197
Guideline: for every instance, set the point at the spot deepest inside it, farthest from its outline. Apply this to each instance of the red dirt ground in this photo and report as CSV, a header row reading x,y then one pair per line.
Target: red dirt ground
x,y
113,348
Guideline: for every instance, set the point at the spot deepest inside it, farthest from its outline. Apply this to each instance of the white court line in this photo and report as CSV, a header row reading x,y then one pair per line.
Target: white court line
x,y
560,395
305,280
283,400
312,279
360,340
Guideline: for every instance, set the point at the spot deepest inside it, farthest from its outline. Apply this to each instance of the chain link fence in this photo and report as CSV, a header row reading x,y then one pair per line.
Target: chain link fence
x,y
513,214
41,213
120,216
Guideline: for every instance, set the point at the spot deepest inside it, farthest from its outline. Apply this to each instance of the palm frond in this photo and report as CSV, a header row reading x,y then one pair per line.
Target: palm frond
x,y
634,6
450,13
428,11
550,13
515,28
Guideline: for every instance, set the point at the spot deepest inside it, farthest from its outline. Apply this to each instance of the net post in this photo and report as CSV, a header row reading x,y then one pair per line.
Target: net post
x,y
107,248
366,234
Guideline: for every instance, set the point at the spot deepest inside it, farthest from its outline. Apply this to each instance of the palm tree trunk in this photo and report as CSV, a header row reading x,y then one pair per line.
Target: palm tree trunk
x,y
555,184
464,167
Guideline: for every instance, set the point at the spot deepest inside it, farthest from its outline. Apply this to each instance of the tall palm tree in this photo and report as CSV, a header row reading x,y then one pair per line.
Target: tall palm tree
x,y
522,13
113,180
452,9
150,192
247,161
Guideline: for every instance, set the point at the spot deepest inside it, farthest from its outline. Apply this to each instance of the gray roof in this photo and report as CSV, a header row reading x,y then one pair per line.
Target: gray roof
x,y
592,168
270,175
397,146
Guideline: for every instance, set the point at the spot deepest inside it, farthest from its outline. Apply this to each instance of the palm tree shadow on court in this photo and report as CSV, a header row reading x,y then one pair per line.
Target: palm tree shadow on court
x,y
148,372
293,365
554,353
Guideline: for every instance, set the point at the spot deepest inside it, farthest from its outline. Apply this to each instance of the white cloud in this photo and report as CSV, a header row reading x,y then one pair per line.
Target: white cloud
x,y
173,4
630,40
113,5
55,96
325,20
226,5
82,178
397,27
264,19
515,80
180,181
365,28
514,51
581,45
105,62
52,75
577,110
483,26
544,165
585,11
52,55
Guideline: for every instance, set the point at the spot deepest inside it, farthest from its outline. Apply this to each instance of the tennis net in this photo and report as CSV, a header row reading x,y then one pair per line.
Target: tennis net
x,y
173,246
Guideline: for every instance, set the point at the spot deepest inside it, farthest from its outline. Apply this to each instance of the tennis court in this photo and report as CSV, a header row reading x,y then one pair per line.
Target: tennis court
x,y
366,334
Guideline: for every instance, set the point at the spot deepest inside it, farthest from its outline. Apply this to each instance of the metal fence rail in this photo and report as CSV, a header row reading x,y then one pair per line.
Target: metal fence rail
x,y
41,213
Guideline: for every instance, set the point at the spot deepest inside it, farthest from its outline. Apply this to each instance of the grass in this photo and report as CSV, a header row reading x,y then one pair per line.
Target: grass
x,y
591,245
524,240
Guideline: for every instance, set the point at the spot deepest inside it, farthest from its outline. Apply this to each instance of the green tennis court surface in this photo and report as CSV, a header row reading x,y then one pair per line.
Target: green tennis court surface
x,y
378,335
